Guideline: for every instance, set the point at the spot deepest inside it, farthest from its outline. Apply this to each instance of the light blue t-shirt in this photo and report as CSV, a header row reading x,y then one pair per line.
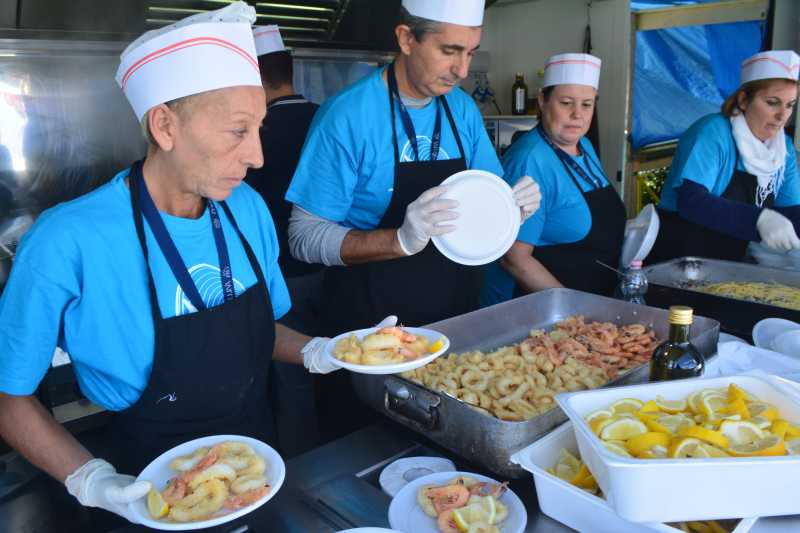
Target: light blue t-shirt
x,y
346,169
563,217
79,281
706,155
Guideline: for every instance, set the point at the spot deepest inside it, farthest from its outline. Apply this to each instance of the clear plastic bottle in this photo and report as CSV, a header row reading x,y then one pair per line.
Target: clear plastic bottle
x,y
633,285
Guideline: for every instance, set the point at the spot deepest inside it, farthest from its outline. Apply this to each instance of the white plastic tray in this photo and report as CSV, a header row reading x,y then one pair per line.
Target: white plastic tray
x,y
677,490
572,506
397,368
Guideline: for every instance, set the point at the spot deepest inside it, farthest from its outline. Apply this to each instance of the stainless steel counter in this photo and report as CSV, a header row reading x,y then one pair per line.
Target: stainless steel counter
x,y
332,488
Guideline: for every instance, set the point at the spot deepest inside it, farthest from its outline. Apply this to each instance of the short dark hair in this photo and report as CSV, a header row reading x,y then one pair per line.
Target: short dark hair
x,y
419,26
277,69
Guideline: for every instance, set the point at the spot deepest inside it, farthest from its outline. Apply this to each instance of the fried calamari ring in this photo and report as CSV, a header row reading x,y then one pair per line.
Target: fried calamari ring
x,y
247,483
215,471
475,380
257,467
184,463
380,341
206,500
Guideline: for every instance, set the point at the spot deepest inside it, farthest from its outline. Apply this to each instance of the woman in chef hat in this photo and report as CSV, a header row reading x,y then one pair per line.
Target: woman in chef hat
x,y
734,177
582,219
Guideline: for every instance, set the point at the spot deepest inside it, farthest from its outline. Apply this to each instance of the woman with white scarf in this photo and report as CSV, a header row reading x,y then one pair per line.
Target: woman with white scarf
x,y
734,176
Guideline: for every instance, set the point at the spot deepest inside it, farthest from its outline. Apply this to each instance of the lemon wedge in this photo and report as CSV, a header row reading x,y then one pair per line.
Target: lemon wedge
x,y
779,427
650,407
735,392
436,346
651,421
656,452
692,402
598,424
761,422
670,406
793,446
763,409
712,451
675,422
598,415
623,429
738,407
626,405
712,403
156,505
682,447
792,431
489,509
771,445
712,437
646,441
741,432
460,520
615,447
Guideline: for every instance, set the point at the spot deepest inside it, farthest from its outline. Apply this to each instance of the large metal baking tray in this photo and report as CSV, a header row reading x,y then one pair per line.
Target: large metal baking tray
x,y
671,283
484,439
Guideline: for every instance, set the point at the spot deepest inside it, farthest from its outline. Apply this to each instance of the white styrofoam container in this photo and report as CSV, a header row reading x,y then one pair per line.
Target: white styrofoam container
x,y
677,490
572,506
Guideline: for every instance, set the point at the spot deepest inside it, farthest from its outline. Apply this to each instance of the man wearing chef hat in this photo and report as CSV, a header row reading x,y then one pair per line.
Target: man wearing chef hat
x,y
582,218
367,189
163,285
734,178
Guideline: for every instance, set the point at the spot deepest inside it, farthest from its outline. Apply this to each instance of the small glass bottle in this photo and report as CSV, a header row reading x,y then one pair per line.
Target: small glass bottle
x,y
677,358
519,96
633,285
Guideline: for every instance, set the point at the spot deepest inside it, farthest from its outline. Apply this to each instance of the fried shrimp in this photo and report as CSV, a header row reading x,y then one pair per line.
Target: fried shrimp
x,y
237,501
207,499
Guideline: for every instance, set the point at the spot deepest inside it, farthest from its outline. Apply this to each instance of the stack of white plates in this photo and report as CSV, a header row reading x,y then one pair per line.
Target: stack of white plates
x,y
773,258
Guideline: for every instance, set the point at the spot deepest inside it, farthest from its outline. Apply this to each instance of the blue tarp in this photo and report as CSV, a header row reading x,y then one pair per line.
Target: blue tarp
x,y
682,74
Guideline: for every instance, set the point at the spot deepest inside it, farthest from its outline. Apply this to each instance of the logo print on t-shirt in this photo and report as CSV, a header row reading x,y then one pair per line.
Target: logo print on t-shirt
x,y
424,147
209,284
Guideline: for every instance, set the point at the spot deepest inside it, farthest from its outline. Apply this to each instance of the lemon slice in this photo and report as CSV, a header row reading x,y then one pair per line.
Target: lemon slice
x,y
460,520
692,402
779,427
651,421
656,452
600,414
675,422
793,431
682,447
623,429
712,403
566,458
738,407
741,432
598,424
616,448
761,422
156,505
712,451
712,437
626,405
646,441
771,445
650,407
489,509
436,346
565,472
763,409
793,446
670,406
735,392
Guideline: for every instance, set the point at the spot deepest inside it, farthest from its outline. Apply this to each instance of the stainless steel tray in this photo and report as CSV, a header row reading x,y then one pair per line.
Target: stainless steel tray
x,y
671,283
486,440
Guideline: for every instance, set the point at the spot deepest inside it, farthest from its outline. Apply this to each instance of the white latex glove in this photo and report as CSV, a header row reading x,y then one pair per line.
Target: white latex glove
x,y
97,484
314,358
777,231
423,218
527,196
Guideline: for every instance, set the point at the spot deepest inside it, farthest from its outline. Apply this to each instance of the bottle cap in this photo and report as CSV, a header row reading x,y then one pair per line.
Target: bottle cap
x,y
680,315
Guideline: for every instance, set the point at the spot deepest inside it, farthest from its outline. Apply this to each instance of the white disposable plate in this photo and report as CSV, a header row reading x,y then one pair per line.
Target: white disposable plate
x,y
432,336
407,516
406,469
640,236
158,472
727,337
572,506
765,331
709,488
488,220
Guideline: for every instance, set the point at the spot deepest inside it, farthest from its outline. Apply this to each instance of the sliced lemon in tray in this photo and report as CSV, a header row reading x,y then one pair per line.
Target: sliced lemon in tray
x,y
156,505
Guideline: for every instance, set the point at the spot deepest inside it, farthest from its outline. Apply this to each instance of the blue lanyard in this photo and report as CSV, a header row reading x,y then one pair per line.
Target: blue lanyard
x,y
172,255
408,126
571,163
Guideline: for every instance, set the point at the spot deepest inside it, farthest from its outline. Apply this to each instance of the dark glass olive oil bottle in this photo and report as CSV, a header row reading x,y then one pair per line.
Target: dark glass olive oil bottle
x,y
677,358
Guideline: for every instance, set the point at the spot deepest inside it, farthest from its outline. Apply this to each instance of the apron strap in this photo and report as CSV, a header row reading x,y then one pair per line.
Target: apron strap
x,y
408,124
453,126
570,163
247,249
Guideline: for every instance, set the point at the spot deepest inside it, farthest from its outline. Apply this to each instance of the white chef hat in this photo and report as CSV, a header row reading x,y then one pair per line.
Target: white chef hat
x,y
197,54
773,64
572,69
461,12
268,39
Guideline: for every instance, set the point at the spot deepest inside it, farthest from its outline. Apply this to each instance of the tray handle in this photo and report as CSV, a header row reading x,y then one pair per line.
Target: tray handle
x,y
411,404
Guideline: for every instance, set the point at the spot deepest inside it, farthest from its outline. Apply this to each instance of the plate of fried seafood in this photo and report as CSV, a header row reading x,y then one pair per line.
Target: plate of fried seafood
x,y
386,350
454,502
519,382
208,481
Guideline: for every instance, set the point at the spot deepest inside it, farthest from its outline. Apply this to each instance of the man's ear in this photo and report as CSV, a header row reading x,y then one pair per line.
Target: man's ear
x,y
405,38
